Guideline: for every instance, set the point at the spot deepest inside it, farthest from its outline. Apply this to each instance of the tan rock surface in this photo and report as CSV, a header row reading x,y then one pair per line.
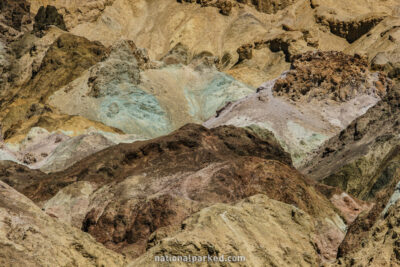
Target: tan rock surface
x,y
29,237
150,25
381,245
381,45
121,195
91,70
266,232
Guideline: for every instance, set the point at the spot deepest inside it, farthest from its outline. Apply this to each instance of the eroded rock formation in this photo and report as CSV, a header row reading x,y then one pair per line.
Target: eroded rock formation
x,y
125,193
94,96
317,98
30,237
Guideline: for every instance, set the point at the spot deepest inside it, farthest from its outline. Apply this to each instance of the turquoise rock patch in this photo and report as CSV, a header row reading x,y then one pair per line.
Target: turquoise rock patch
x,y
135,112
203,102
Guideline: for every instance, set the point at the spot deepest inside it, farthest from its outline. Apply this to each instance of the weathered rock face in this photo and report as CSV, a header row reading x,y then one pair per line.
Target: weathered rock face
x,y
381,245
74,12
176,146
250,45
74,150
55,151
224,182
18,176
29,237
268,6
388,62
364,161
225,6
148,67
351,20
123,194
381,45
139,96
14,21
37,146
47,16
352,30
233,230
321,94
372,141
14,16
64,61
245,25
330,75
29,64
6,154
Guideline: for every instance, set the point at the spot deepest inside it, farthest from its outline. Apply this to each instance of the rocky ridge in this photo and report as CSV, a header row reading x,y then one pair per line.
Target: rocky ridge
x,y
217,168
93,97
28,236
317,98
363,160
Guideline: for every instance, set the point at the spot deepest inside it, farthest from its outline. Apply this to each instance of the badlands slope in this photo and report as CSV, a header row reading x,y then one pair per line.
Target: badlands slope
x,y
318,97
131,129
126,194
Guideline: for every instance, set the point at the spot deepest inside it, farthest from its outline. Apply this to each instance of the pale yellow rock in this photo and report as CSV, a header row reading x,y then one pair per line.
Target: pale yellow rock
x,y
159,25
351,9
385,37
29,237
264,231
71,203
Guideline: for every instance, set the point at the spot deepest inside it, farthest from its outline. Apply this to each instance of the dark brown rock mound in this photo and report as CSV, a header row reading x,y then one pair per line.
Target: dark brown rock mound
x,y
126,223
46,17
188,149
136,189
329,75
64,61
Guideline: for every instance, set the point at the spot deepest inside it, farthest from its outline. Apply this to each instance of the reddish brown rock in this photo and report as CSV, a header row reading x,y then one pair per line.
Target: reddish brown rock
x,y
141,187
349,207
328,75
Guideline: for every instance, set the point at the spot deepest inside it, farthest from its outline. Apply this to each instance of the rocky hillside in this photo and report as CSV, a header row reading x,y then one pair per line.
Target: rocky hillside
x,y
30,237
319,96
125,194
133,130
